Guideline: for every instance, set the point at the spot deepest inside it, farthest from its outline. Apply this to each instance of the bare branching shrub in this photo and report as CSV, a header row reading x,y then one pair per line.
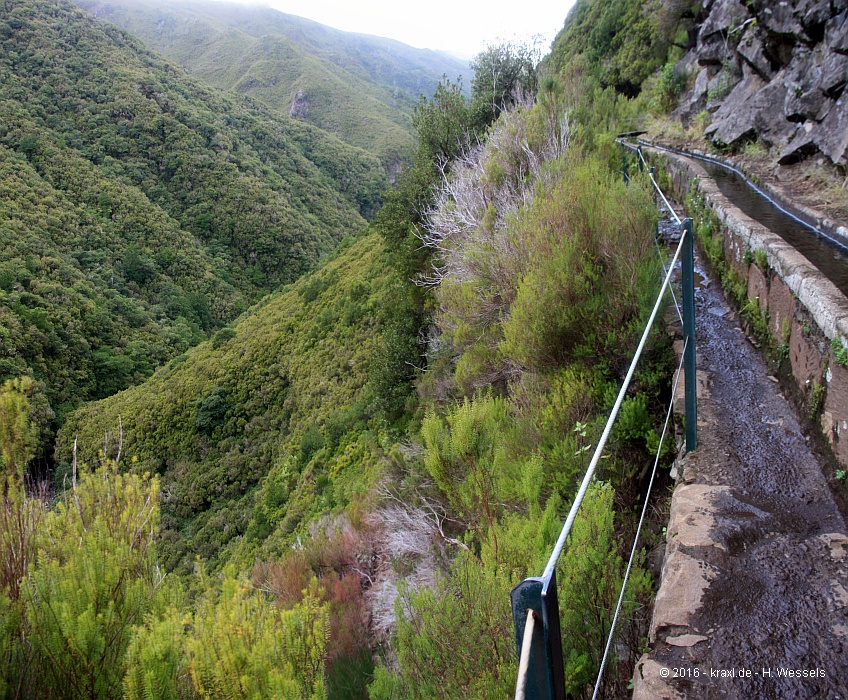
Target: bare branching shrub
x,y
487,184
472,225
542,254
414,545
344,560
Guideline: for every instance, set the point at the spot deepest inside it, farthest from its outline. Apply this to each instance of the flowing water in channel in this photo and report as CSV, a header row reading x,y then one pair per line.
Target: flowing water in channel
x,y
827,255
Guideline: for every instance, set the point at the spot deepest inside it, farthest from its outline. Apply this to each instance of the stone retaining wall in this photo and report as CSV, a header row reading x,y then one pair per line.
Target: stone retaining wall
x,y
805,310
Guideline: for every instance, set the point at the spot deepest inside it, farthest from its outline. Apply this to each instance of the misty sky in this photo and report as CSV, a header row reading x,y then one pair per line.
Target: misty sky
x,y
463,27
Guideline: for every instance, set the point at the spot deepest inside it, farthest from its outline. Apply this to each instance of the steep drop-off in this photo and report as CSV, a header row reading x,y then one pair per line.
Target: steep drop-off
x,y
278,398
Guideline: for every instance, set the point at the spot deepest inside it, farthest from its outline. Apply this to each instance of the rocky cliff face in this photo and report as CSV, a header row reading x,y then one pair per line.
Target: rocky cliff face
x,y
773,70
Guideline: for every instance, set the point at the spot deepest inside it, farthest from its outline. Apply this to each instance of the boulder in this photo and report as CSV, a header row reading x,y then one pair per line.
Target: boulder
x,y
802,80
799,148
695,101
733,123
751,49
778,18
831,136
813,14
834,75
724,16
712,50
715,41
771,125
836,33
721,84
793,56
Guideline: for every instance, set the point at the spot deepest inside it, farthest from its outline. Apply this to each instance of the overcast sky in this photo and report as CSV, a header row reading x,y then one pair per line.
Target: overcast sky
x,y
463,27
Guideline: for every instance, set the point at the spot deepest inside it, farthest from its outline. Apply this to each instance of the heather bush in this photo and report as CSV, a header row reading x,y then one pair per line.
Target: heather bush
x,y
543,256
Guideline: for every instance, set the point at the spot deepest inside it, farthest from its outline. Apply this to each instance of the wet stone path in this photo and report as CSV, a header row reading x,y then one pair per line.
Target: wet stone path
x,y
754,599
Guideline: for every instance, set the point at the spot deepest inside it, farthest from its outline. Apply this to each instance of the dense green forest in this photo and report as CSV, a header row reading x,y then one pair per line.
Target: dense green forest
x,y
333,495
361,88
142,210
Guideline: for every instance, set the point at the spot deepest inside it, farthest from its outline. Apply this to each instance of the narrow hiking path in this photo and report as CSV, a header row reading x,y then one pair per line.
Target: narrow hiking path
x,y
755,581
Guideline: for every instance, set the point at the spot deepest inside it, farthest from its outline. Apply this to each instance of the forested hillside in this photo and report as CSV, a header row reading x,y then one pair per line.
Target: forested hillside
x,y
141,210
402,442
258,402
360,88
622,43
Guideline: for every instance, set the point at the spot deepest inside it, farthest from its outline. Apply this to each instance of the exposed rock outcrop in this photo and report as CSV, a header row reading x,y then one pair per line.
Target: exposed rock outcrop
x,y
773,70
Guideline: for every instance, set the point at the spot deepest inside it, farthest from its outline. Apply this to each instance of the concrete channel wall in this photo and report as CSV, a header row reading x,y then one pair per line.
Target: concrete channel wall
x,y
805,310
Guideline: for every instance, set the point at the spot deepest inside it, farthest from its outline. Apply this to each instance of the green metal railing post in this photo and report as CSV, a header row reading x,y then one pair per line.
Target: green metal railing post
x,y
690,377
545,673
653,172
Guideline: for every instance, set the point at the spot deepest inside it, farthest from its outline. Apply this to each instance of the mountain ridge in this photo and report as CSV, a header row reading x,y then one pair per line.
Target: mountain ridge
x,y
360,87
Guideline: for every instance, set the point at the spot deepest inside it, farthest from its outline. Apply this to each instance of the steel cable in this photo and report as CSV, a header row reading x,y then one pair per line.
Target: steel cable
x,y
639,526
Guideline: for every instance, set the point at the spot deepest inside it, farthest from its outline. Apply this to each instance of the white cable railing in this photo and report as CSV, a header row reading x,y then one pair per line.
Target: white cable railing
x,y
534,600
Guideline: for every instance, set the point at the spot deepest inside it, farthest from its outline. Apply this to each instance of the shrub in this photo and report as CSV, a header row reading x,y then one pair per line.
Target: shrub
x,y
243,646
94,578
211,410
468,459
545,257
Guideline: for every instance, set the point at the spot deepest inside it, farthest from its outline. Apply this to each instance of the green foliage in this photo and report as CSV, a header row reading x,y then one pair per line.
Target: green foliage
x,y
446,126
502,73
839,350
86,613
290,414
758,318
226,419
18,430
20,521
634,420
242,646
94,578
670,83
545,258
235,644
815,399
544,272
359,88
222,336
468,460
590,574
16,664
211,410
724,82
394,362
621,42
442,124
455,641
310,443
155,666
590,267
140,210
